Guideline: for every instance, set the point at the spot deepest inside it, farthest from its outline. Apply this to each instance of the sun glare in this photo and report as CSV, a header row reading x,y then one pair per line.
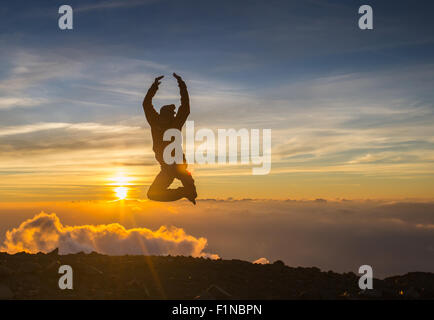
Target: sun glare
x,y
120,180
121,192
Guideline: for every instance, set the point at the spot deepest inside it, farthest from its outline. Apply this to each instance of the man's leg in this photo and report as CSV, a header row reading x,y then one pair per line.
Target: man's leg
x,y
159,191
187,181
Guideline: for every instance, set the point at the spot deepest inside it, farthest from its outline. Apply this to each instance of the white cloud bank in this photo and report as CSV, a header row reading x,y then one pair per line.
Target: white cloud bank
x,y
44,232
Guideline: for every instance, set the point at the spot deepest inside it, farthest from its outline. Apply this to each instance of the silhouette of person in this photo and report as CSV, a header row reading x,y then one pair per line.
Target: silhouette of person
x,y
167,119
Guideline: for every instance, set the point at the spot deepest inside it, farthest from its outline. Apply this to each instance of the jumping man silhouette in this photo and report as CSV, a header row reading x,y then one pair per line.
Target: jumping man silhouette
x,y
168,119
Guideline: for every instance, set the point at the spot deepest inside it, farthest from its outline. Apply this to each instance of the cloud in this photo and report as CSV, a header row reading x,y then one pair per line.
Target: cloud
x,y
113,5
44,232
392,237
324,112
28,68
12,102
261,261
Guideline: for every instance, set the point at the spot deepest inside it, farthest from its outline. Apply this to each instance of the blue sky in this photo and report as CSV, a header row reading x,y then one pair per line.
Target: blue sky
x,y
230,40
345,105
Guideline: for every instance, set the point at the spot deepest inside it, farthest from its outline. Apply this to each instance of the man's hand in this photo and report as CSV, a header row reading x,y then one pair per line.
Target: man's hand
x,y
178,78
157,80
153,89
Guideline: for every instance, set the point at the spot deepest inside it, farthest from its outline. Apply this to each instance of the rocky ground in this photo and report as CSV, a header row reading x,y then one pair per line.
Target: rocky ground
x,y
96,276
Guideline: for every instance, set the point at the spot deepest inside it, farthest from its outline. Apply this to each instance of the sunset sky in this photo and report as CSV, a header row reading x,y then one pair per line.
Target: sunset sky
x,y
351,111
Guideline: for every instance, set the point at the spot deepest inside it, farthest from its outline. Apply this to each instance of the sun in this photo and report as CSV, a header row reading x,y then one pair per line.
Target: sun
x,y
120,184
121,192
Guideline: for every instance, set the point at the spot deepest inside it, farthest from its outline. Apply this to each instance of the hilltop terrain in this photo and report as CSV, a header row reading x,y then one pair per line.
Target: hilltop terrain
x,y
96,276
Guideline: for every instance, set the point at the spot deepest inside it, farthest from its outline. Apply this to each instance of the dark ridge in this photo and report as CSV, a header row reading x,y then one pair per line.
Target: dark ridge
x,y
97,276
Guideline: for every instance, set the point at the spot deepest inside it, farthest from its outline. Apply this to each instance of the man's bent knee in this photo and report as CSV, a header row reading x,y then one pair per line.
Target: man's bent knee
x,y
152,194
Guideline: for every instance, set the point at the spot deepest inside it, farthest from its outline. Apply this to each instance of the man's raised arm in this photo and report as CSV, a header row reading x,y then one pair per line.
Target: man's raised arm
x,y
184,108
150,113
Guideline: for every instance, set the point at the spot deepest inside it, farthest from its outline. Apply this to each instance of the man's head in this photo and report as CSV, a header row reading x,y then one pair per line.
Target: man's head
x,y
167,112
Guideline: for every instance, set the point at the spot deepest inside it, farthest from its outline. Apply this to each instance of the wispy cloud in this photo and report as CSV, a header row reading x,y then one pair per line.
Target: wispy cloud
x,y
29,69
13,102
101,5
320,125
92,127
